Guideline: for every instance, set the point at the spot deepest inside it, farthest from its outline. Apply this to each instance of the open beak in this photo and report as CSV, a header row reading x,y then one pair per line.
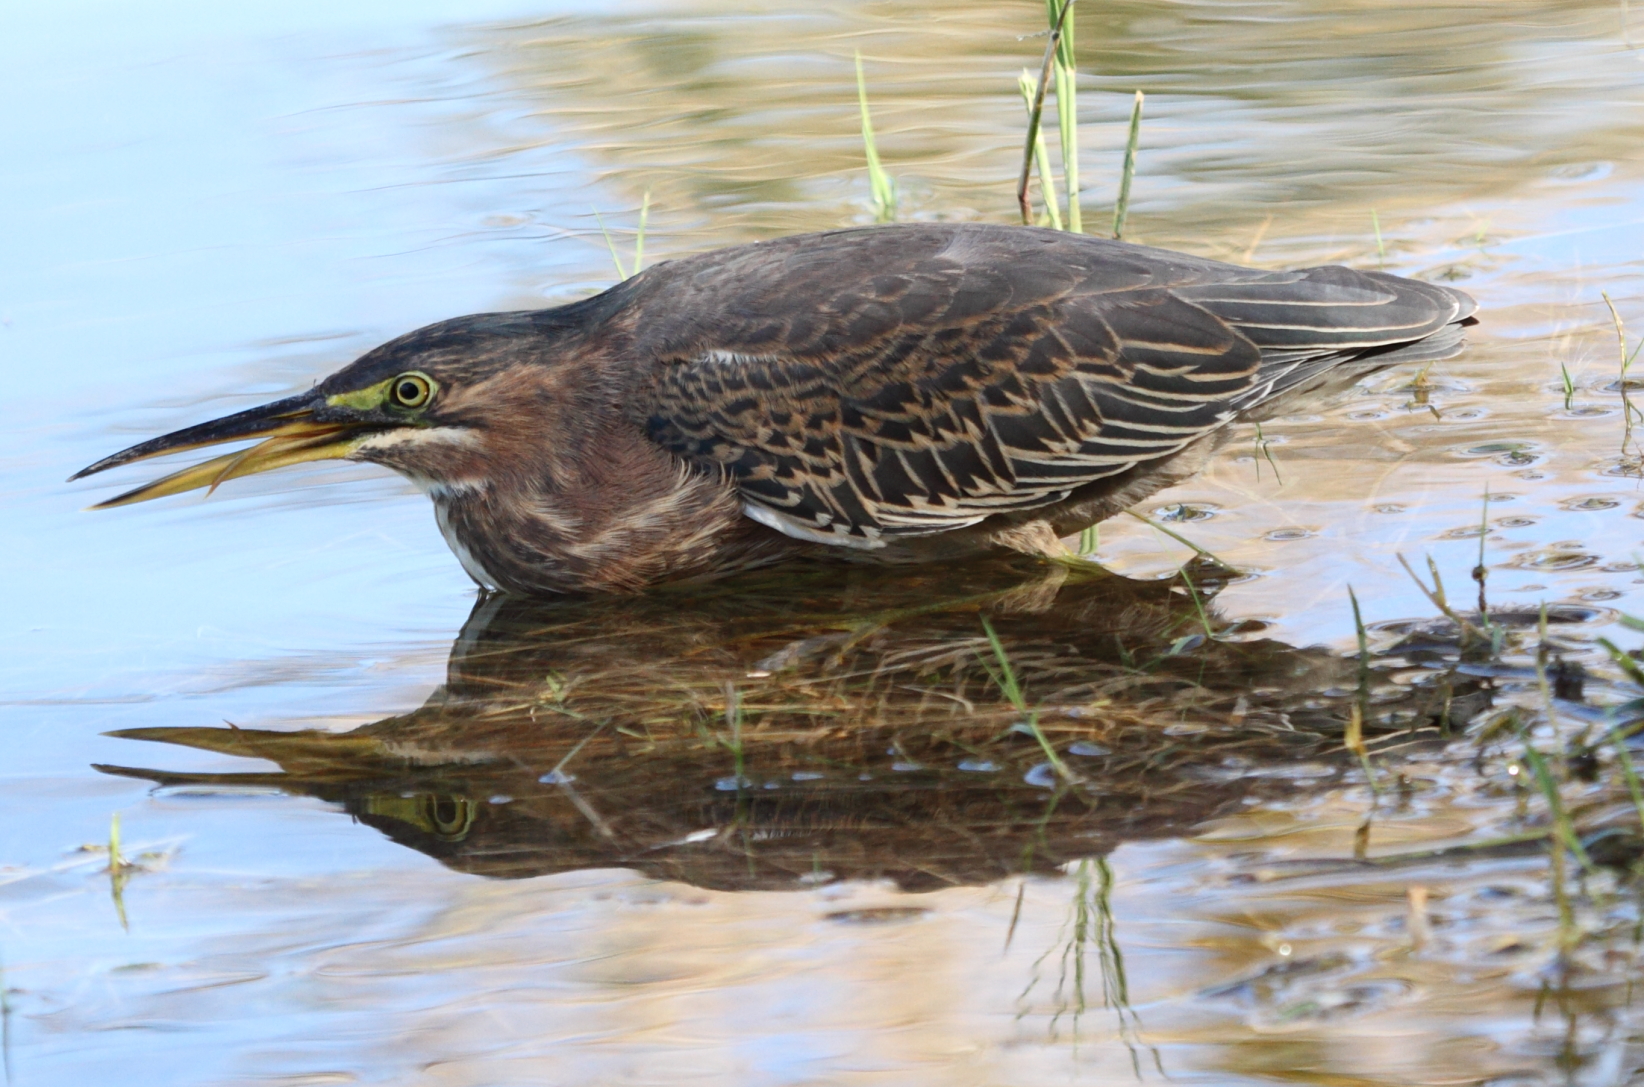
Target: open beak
x,y
290,435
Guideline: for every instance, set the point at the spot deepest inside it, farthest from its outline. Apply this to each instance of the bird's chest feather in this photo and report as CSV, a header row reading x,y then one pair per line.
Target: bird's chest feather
x,y
600,539
459,545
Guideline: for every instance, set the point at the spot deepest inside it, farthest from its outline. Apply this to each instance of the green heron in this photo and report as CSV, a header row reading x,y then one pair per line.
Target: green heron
x,y
884,394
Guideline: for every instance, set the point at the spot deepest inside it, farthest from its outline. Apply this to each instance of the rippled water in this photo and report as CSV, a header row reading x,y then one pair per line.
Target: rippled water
x,y
505,845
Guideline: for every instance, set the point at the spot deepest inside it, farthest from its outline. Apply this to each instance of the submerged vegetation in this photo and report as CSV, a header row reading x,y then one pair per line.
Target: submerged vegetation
x,y
1632,453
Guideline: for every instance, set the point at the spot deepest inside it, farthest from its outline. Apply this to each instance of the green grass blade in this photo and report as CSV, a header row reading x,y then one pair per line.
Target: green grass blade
x,y
883,188
1481,572
1364,642
622,273
1121,209
1183,540
1011,688
1067,108
1562,827
1620,333
1624,760
1198,605
1263,447
1623,660
1041,157
1006,677
116,858
639,239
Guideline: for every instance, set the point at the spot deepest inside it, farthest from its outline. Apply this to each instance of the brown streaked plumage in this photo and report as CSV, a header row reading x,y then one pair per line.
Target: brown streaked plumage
x,y
883,394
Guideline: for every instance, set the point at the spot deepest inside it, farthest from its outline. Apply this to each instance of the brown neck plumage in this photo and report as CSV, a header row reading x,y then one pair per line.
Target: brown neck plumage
x,y
612,514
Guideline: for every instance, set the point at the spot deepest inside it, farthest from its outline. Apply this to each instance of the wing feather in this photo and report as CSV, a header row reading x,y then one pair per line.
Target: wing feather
x,y
894,381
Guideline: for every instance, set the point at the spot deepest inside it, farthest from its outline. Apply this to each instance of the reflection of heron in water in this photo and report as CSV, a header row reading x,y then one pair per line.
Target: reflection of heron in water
x,y
802,724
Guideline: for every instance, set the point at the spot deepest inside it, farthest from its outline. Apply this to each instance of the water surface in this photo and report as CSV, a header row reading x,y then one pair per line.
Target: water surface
x,y
504,844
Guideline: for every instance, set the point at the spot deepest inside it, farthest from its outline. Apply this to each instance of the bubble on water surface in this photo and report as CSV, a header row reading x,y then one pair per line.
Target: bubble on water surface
x,y
1509,454
1042,776
1553,559
1185,511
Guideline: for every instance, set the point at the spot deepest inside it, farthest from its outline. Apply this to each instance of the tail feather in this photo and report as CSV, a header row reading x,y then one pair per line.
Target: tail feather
x,y
1287,381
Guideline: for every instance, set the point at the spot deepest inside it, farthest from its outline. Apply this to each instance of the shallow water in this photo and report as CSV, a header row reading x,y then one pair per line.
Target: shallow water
x,y
869,875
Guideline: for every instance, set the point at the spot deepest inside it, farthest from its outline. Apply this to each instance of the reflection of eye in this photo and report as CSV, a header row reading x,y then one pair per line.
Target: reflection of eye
x,y
449,817
412,390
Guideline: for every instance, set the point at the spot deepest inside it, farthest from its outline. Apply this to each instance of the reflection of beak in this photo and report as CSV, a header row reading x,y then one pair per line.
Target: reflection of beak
x,y
291,435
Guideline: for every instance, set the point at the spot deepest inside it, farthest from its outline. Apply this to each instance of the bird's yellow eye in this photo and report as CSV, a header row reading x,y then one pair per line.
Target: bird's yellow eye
x,y
411,390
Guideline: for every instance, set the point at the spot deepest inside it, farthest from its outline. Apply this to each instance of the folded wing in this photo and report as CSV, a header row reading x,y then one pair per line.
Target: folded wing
x,y
901,381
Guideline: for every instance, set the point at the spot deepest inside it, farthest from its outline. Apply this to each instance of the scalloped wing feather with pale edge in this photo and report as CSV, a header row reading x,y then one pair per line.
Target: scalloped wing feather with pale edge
x,y
898,381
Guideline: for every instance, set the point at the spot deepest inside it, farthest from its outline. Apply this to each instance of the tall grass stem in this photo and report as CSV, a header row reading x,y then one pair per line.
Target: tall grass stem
x,y
1036,115
639,238
1041,157
1067,108
1624,760
881,184
1005,679
1121,209
622,273
1183,540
